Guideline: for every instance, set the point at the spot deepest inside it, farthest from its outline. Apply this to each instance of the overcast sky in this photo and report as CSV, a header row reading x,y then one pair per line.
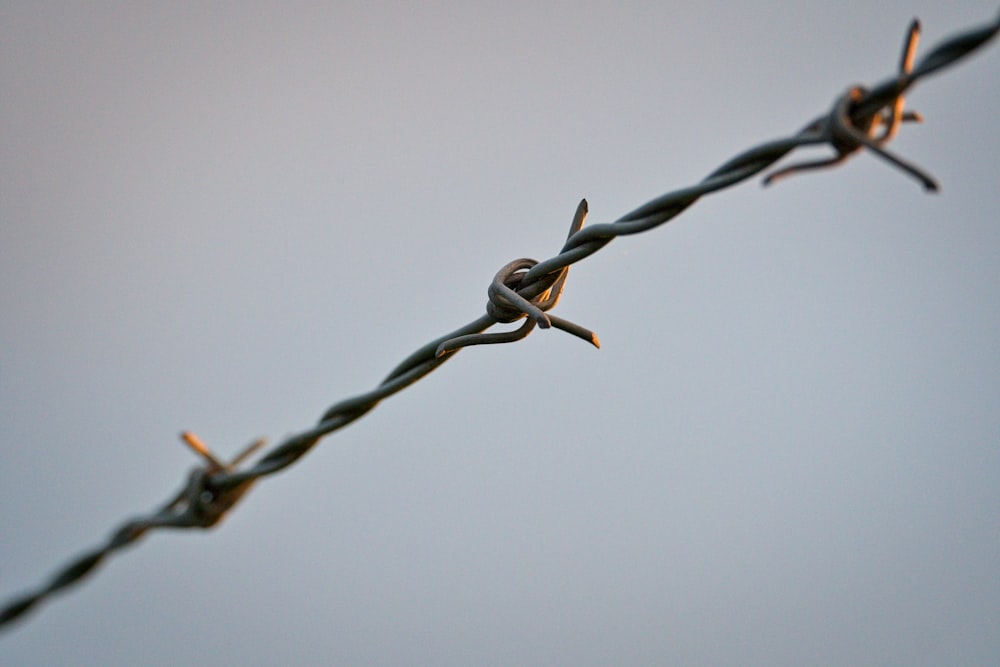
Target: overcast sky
x,y
225,217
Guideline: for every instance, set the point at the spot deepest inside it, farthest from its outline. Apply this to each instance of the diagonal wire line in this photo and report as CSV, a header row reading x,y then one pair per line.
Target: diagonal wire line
x,y
526,289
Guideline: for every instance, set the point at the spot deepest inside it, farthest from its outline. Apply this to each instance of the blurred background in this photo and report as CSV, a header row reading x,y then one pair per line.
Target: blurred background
x,y
225,217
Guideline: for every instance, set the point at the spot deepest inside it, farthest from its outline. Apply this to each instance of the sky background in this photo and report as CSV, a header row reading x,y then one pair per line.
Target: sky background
x,y
225,217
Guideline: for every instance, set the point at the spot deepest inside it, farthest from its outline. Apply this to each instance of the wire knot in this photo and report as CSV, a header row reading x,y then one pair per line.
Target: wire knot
x,y
505,305
202,504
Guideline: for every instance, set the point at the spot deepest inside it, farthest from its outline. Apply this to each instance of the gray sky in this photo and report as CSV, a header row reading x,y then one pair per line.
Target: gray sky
x,y
224,219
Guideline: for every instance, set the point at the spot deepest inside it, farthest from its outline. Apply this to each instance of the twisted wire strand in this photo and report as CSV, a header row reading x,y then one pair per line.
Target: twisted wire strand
x,y
527,289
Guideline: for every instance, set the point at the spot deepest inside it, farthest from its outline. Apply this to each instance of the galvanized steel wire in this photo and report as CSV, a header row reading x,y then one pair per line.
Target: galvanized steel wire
x,y
526,289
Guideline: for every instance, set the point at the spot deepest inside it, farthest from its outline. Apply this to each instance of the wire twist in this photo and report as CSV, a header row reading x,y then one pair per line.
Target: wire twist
x,y
528,289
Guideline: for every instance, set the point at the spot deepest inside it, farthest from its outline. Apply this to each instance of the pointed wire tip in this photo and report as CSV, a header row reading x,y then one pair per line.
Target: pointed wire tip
x,y
195,443
910,47
248,451
582,209
202,450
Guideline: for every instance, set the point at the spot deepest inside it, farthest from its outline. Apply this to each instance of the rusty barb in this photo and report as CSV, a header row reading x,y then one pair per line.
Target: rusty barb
x,y
528,289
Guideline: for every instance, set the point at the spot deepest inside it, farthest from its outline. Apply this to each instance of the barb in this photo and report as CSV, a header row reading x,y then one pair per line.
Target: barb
x,y
527,289
199,504
848,134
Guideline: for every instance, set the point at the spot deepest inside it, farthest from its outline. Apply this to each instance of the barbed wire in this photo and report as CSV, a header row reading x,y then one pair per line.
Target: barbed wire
x,y
527,289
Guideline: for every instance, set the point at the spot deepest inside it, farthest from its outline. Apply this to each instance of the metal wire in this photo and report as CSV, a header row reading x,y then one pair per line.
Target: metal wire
x,y
527,289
